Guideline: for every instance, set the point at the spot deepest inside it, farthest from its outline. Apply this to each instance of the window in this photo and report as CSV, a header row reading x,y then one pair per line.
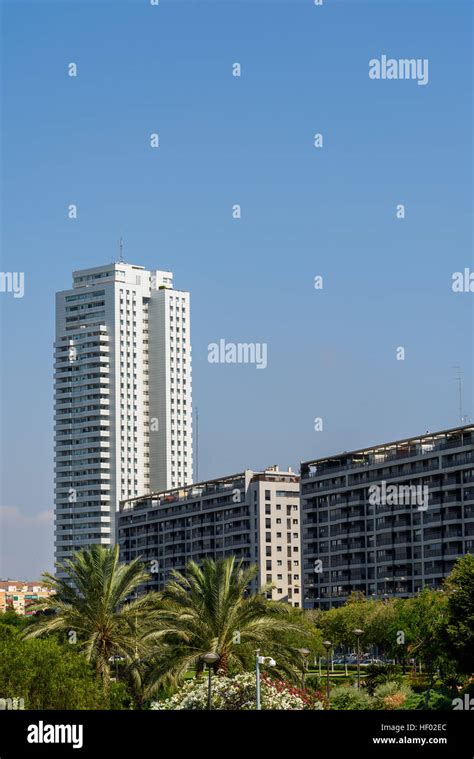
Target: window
x,y
267,495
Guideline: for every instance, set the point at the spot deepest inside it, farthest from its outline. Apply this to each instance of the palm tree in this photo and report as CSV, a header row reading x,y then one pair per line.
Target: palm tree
x,y
211,610
92,602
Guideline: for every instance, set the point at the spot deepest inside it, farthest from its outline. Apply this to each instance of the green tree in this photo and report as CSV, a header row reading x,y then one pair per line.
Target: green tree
x,y
459,587
373,617
46,675
91,606
212,610
422,619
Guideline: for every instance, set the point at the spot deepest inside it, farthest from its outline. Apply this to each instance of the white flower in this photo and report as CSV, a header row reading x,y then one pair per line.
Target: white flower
x,y
234,693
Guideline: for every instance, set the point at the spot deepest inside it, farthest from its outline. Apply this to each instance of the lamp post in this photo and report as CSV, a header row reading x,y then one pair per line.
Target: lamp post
x,y
209,659
258,661
327,645
305,652
358,633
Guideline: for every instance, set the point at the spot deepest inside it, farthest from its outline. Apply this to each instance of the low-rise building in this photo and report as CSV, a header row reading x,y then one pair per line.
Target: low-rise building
x,y
18,595
252,515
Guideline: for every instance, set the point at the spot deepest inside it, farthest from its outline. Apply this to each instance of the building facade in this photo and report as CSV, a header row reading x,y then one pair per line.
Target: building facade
x,y
18,595
123,397
252,515
387,520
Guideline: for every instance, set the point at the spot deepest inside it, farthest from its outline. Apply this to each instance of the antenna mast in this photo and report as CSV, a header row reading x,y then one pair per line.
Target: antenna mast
x,y
121,258
459,378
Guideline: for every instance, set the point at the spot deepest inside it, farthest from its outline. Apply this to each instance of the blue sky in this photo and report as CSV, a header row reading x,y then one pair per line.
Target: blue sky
x,y
305,212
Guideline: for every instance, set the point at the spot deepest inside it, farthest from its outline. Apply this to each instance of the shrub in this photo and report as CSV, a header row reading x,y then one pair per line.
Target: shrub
x,y
239,693
418,683
436,700
344,698
313,682
450,677
120,697
377,674
391,695
469,687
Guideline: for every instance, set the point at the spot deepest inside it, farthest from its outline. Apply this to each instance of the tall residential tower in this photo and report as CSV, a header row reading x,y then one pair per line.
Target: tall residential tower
x,y
123,403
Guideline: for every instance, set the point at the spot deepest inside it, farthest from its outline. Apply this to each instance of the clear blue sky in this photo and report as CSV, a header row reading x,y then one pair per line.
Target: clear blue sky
x,y
224,140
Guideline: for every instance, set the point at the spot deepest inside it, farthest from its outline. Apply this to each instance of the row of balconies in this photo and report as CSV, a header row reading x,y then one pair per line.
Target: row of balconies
x,y
378,459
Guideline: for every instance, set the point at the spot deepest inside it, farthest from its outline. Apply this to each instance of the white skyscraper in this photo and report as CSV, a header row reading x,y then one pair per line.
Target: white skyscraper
x,y
123,400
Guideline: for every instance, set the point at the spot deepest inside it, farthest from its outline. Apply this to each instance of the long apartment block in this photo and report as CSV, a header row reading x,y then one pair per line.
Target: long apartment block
x,y
123,400
387,520
254,516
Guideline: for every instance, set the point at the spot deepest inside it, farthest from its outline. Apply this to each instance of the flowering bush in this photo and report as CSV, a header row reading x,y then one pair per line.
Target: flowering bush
x,y
391,695
239,692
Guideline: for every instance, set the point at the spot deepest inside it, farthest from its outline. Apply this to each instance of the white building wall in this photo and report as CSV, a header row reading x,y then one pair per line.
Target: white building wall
x,y
279,537
116,368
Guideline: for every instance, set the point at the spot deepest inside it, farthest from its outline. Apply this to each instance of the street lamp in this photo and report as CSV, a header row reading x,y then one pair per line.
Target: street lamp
x,y
358,633
305,652
258,661
327,645
209,659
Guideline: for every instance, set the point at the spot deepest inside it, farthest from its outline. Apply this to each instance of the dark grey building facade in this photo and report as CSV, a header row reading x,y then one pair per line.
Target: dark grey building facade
x,y
387,520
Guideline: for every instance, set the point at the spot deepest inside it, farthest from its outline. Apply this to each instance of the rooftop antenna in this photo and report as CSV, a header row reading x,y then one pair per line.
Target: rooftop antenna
x,y
121,259
463,418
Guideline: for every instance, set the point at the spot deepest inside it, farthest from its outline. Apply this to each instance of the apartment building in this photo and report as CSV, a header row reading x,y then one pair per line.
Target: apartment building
x,y
252,515
18,595
123,397
387,520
